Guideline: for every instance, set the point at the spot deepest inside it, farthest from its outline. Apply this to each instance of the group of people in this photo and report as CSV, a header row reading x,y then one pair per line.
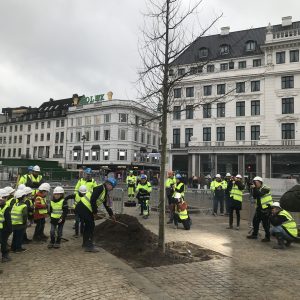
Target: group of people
x,y
268,212
29,204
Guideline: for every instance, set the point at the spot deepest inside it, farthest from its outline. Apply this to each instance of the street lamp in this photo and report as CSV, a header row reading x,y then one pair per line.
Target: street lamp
x,y
83,138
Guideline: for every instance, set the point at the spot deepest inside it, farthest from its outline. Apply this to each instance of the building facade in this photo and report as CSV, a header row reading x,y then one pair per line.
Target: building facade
x,y
238,110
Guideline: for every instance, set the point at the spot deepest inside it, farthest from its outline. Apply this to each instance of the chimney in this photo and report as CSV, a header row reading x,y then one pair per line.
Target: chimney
x,y
286,21
225,30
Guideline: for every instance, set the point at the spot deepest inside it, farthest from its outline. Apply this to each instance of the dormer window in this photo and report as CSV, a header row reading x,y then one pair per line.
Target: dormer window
x,y
250,46
203,52
224,49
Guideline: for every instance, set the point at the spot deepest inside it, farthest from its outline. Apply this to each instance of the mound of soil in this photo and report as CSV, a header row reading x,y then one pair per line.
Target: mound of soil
x,y
138,246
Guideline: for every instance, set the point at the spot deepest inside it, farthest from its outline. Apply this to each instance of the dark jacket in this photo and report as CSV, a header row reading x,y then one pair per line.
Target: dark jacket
x,y
257,194
7,227
65,209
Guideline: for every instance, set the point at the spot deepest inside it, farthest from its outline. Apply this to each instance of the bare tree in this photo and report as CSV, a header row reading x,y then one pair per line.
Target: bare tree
x,y
166,37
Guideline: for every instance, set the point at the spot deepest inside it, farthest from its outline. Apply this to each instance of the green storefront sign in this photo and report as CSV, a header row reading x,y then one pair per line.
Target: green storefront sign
x,y
91,99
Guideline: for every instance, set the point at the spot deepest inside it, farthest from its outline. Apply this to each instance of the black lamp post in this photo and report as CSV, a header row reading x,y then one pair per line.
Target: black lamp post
x,y
83,138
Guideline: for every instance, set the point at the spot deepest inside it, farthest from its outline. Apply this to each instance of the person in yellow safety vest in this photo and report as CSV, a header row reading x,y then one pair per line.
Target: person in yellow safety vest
x,y
58,214
88,181
144,190
19,215
87,209
23,178
5,224
40,212
30,207
236,188
34,180
170,186
131,185
10,199
262,194
284,226
218,187
181,213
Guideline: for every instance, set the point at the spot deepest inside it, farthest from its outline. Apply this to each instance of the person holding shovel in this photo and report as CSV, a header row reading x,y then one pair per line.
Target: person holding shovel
x,y
144,189
87,209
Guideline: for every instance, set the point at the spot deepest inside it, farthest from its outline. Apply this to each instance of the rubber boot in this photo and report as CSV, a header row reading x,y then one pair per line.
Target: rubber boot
x,y
280,244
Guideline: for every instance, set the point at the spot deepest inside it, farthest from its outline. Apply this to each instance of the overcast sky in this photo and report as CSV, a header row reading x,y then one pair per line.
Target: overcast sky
x,y
55,48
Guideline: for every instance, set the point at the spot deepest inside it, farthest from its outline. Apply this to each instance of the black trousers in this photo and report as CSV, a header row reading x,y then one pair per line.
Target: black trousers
x,y
17,239
238,216
39,228
88,231
261,216
186,222
4,235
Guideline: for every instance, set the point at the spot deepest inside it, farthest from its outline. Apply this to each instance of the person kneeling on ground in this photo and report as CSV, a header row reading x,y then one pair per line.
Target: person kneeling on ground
x,y
181,213
58,214
5,224
87,209
284,226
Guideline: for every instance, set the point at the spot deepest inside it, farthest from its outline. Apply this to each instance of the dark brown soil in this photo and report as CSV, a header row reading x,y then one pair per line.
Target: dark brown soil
x,y
138,246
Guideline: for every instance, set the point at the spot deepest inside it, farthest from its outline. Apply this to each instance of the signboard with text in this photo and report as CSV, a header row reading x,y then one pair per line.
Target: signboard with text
x,y
91,99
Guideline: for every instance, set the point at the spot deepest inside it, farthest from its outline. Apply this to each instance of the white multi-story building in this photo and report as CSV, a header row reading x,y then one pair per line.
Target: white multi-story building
x,y
114,134
238,109
83,131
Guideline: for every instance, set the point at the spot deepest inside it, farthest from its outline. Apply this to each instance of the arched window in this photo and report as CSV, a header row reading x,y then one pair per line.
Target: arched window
x,y
250,46
224,49
203,52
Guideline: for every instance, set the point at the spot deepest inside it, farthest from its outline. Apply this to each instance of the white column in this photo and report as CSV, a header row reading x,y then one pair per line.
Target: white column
x,y
263,165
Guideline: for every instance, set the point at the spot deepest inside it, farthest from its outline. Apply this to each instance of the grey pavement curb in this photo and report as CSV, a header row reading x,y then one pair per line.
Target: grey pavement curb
x,y
143,284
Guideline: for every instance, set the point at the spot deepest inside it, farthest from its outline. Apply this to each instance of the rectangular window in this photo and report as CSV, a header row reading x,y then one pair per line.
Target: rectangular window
x,y
16,128
221,110
107,118
62,123
49,123
106,134
87,135
188,135
19,152
148,138
256,63
36,137
287,82
95,155
78,136
280,57
42,137
210,68
240,87
255,86
97,120
87,120
122,154
62,136
143,137
61,150
207,110
220,134
177,113
79,121
15,139
193,70
231,65
122,134
71,140
255,132
36,125
255,108
9,139
294,55
176,136
153,140
224,67
21,127
42,125
240,133
123,118
189,112
57,123
86,155
221,89
181,72
48,136
287,105
189,91
206,134
207,90
242,64
56,137
14,152
240,108
20,139
136,134
96,135
288,131
177,93
28,139
106,154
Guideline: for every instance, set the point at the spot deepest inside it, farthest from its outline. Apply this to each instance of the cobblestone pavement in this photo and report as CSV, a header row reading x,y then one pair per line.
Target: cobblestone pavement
x,y
252,270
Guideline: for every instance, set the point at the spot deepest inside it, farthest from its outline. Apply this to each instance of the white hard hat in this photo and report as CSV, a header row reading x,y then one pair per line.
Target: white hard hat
x,y
21,186
58,190
238,176
27,190
19,193
45,187
177,196
82,189
3,193
276,204
258,178
218,176
36,169
228,175
9,189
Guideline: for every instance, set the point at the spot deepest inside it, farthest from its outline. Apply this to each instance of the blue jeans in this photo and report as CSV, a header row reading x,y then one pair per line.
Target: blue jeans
x,y
278,230
59,228
218,199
